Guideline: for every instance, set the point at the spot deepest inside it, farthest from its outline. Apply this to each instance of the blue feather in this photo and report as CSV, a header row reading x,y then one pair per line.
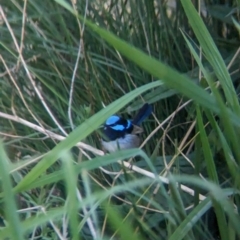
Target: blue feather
x,y
118,127
129,124
142,114
113,119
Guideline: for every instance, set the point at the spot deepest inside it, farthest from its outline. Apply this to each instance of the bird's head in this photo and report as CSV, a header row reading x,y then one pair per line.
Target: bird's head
x,y
117,127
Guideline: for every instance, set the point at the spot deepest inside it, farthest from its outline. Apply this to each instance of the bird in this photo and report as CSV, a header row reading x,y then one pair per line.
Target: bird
x,y
120,133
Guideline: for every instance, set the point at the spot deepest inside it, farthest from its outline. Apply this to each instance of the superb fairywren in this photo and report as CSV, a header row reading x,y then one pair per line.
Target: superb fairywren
x,y
120,133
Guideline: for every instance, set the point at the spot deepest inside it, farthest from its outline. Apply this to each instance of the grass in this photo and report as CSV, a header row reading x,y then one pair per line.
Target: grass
x,y
66,67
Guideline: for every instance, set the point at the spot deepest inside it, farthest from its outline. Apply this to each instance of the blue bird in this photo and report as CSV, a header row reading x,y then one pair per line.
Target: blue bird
x,y
120,133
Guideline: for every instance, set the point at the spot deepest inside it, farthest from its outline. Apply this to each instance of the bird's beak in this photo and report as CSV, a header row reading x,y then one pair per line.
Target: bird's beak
x,y
137,129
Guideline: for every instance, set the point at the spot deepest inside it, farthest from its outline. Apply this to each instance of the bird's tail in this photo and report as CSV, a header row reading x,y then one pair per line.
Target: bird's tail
x,y
142,114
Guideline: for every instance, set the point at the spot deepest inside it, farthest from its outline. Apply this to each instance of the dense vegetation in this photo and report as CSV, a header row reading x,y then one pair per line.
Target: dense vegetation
x,y
68,65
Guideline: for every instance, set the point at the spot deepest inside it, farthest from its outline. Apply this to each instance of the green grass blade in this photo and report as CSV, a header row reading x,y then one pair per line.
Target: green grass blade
x,y
71,205
212,173
232,164
123,227
212,54
97,162
211,168
192,218
10,208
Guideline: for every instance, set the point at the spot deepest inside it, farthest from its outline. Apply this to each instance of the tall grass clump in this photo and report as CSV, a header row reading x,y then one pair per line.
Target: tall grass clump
x,y
66,66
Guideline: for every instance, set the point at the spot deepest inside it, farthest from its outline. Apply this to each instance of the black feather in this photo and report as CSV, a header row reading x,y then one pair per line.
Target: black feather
x,y
142,114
